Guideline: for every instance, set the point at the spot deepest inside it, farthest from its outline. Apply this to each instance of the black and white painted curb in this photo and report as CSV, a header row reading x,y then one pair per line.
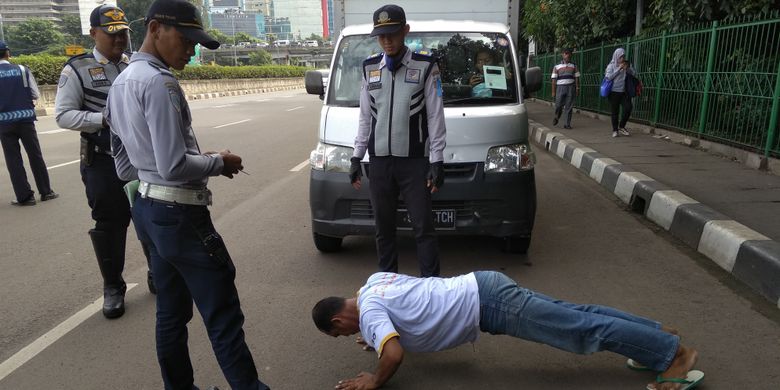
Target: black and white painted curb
x,y
748,255
201,96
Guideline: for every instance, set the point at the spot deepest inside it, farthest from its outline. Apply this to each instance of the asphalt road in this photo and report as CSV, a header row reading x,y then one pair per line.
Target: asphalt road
x,y
586,248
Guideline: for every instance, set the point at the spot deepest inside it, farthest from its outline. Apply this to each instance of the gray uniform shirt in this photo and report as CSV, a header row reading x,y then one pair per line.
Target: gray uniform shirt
x,y
416,91
151,123
69,107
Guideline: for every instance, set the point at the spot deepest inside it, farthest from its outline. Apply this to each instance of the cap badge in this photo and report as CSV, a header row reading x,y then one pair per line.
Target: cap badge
x,y
384,17
115,15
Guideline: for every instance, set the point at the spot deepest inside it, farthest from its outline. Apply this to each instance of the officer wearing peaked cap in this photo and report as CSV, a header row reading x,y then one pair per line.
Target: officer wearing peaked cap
x,y
402,128
155,143
81,97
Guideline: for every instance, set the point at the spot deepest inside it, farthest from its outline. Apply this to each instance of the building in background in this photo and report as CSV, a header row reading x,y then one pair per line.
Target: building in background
x,y
329,35
231,23
280,28
17,11
305,16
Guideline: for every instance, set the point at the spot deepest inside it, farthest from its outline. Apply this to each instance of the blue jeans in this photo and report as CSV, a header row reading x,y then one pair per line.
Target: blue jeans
x,y
506,308
188,267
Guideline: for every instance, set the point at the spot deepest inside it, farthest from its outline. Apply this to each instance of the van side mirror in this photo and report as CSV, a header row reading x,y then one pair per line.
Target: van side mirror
x,y
314,84
533,79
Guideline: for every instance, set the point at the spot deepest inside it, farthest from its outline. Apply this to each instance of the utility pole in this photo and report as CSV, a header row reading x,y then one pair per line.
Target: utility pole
x,y
2,30
233,25
639,14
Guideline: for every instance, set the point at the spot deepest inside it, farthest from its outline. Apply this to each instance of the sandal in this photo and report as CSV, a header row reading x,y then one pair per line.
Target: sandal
x,y
691,380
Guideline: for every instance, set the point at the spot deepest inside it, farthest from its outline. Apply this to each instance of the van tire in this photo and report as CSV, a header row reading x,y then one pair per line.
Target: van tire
x,y
516,244
327,244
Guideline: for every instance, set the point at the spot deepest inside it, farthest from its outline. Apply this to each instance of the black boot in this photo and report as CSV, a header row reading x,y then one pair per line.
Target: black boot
x,y
110,253
149,279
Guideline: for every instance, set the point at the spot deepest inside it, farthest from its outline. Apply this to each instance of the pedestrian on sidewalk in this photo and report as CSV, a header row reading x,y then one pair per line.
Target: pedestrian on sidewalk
x,y
81,97
565,87
154,142
17,124
395,312
618,96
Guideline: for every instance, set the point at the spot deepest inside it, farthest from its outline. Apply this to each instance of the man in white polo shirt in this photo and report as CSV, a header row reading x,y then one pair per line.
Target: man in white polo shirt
x,y
395,313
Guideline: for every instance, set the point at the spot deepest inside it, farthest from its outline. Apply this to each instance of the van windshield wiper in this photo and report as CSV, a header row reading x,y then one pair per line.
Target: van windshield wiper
x,y
479,100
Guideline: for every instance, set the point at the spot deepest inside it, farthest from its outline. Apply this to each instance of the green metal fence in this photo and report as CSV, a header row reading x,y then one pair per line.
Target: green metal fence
x,y
721,82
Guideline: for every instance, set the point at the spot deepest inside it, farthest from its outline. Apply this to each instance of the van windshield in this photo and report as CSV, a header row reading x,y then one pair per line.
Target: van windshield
x,y
476,68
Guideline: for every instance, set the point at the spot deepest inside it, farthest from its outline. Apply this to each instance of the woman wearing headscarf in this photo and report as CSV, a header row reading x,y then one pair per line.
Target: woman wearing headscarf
x,y
616,71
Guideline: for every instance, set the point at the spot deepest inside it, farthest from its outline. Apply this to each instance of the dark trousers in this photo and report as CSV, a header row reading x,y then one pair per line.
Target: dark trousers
x,y
105,194
616,100
10,135
389,177
564,99
187,266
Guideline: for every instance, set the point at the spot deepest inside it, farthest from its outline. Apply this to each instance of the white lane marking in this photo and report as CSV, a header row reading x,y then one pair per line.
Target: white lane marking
x,y
224,105
286,96
30,351
62,165
53,131
300,166
231,124
295,108
261,100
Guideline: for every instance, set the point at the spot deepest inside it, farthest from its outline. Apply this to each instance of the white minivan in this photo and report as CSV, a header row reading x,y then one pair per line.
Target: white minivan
x,y
282,43
489,186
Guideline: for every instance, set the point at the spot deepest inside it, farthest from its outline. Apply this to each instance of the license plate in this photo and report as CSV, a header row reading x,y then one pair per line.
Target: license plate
x,y
442,220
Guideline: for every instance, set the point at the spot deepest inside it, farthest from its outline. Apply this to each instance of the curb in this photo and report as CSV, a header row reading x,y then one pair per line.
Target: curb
x,y
201,96
750,256
46,111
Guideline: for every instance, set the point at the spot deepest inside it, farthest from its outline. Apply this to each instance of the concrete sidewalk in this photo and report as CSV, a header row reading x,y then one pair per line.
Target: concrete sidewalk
x,y
725,210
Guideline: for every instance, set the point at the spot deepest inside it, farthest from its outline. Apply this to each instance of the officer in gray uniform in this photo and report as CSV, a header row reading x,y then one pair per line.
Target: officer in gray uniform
x,y
154,143
402,128
81,97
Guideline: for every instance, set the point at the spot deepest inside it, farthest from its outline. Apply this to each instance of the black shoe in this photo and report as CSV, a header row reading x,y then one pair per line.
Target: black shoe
x,y
27,202
51,195
150,283
555,121
567,127
113,303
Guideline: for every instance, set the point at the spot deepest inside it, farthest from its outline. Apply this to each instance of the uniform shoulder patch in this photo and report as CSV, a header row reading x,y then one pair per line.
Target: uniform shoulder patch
x,y
80,57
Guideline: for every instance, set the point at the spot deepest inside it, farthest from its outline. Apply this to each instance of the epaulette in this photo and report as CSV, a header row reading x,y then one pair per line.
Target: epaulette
x,y
423,55
374,55
79,57
163,70
423,52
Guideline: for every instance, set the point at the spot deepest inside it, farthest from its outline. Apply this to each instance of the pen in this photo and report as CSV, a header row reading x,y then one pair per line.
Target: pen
x,y
242,171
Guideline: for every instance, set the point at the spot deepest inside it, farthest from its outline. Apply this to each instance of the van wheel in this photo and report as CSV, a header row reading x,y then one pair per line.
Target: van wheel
x,y
326,243
516,244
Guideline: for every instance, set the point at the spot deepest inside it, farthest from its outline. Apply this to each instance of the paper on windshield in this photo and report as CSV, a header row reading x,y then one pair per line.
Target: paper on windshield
x,y
495,77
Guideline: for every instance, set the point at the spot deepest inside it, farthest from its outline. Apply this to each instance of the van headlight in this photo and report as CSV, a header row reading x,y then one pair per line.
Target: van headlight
x,y
509,158
331,158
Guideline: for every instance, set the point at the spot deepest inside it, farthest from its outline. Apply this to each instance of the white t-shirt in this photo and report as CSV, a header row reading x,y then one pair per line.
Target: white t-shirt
x,y
427,314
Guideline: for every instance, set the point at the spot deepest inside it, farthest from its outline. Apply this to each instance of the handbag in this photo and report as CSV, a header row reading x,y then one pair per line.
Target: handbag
x,y
606,87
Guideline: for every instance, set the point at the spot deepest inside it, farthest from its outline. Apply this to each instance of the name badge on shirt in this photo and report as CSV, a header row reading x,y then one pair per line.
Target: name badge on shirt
x,y
99,78
412,76
375,76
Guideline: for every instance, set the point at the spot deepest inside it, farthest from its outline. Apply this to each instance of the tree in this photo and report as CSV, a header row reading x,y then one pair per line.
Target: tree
x,y
578,23
244,37
71,28
219,36
135,10
260,57
34,35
